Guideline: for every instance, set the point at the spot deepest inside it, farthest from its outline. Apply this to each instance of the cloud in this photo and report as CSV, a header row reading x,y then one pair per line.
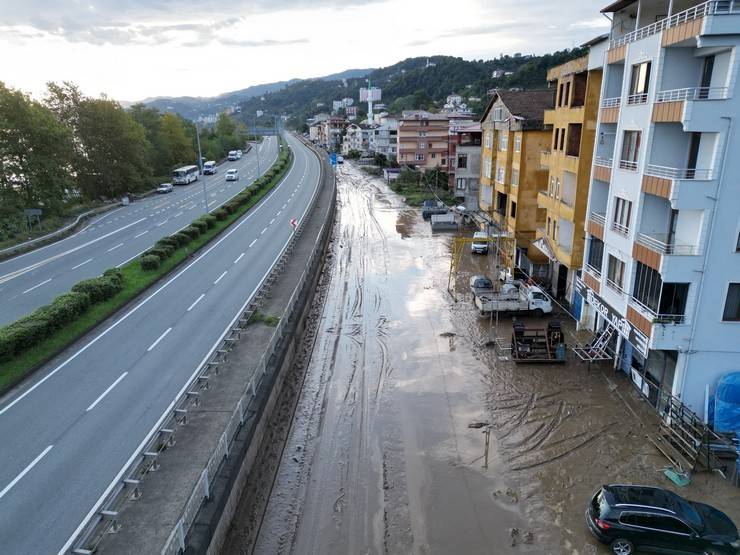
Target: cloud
x,y
595,23
255,43
476,30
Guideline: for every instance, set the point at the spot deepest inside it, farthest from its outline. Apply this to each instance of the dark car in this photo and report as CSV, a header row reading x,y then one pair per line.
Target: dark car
x,y
630,518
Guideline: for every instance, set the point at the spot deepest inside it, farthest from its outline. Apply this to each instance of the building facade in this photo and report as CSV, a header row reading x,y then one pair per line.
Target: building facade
x,y
568,160
514,135
423,139
385,136
464,157
662,263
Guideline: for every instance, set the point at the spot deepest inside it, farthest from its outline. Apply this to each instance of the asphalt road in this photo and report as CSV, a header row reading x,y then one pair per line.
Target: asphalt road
x,y
32,280
67,434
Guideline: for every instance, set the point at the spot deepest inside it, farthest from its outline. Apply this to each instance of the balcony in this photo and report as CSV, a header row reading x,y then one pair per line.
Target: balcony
x,y
628,165
596,272
603,169
666,172
694,14
603,162
599,218
595,224
693,93
611,102
659,243
610,110
619,228
640,98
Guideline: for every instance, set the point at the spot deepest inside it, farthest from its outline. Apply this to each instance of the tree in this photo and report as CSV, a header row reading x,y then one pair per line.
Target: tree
x,y
178,147
35,154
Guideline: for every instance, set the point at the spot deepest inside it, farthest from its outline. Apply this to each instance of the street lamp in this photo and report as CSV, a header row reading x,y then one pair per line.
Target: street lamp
x,y
200,167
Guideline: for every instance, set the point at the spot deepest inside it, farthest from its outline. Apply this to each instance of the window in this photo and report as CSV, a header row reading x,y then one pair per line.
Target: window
x,y
515,177
630,149
615,273
462,160
489,138
461,184
556,142
561,93
567,94
487,169
548,226
595,254
434,154
622,213
513,209
648,284
500,172
518,145
737,247
422,133
498,113
732,304
503,141
562,139
420,157
422,145
574,139
556,188
639,82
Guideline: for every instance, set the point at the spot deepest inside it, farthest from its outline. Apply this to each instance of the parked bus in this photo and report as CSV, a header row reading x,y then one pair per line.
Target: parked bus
x,y
185,175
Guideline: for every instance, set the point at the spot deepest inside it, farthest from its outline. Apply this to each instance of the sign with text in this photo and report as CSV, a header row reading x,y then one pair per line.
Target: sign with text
x,y
638,339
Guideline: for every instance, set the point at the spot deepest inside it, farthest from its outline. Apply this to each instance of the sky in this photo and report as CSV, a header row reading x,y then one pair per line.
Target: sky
x,y
135,49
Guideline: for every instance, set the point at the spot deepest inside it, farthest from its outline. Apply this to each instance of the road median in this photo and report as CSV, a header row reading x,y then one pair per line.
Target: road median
x,y
31,341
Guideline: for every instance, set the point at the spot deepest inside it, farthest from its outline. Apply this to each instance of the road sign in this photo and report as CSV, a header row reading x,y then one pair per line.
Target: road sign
x,y
33,211
333,158
294,223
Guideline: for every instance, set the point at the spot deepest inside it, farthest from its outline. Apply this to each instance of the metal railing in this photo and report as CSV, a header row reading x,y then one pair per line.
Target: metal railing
x,y
653,315
615,286
620,228
598,217
603,162
162,435
628,165
593,270
711,7
658,244
693,93
679,173
640,98
611,102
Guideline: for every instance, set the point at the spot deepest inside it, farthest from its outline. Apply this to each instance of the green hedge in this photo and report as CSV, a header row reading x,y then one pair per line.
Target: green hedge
x,y
182,239
150,262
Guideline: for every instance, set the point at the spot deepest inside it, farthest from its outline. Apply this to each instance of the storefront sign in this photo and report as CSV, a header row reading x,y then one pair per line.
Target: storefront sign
x,y
638,339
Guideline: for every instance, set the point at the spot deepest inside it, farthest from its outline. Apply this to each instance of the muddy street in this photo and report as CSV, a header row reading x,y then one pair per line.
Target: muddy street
x,y
385,453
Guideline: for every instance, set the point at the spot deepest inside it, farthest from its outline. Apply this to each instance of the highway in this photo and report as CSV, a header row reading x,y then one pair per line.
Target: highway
x,y
33,279
68,433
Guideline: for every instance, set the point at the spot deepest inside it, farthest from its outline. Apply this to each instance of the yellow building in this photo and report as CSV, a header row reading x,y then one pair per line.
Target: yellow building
x,y
514,135
572,125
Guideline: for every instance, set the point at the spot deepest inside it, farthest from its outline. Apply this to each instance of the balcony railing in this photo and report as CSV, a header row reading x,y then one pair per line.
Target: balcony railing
x,y
593,271
603,162
711,7
679,173
611,102
693,93
628,165
640,98
660,244
599,217
653,314
615,286
621,229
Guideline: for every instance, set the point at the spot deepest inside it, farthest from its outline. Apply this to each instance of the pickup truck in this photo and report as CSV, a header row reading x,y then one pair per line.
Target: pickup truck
x,y
481,285
431,207
522,299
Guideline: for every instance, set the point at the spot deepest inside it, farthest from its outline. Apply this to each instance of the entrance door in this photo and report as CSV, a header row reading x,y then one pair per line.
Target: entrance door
x,y
562,281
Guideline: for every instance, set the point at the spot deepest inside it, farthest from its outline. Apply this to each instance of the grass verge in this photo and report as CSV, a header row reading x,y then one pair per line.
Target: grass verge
x,y
135,281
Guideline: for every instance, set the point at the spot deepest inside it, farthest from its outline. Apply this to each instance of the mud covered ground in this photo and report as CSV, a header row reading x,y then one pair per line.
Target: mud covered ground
x,y
385,453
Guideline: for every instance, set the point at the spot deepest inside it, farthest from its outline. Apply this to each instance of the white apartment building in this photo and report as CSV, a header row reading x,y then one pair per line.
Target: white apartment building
x,y
662,260
385,136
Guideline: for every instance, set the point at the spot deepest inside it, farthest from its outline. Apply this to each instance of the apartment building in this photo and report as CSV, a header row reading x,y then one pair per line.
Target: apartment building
x,y
423,139
514,135
464,166
385,135
568,160
662,263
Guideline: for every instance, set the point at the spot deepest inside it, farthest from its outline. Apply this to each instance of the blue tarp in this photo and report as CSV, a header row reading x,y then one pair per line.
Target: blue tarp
x,y
727,404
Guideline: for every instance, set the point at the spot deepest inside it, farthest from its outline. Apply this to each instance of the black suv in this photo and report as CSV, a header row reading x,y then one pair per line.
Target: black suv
x,y
628,518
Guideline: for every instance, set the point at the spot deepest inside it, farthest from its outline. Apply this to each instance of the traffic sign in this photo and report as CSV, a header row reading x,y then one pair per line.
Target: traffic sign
x,y
294,223
333,158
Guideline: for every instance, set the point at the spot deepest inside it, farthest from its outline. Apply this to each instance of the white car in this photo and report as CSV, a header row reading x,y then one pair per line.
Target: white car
x,y
480,243
164,188
232,174
232,155
239,154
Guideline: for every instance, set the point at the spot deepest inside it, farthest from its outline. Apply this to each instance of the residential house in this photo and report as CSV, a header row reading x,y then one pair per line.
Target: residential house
x,y
423,139
385,135
662,264
465,156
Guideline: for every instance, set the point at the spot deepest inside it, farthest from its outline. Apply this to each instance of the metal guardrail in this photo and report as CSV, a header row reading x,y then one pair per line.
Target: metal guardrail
x,y
663,247
162,434
593,270
679,173
711,7
628,165
615,286
693,93
603,162
654,316
620,228
598,217
611,102
640,98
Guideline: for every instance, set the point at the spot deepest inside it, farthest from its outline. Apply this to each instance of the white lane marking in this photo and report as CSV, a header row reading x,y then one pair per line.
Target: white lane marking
x,y
82,264
162,223
272,221
114,248
263,231
220,277
35,286
140,234
279,212
191,207
168,330
111,386
252,243
27,269
238,258
285,206
25,471
234,229
177,215
192,306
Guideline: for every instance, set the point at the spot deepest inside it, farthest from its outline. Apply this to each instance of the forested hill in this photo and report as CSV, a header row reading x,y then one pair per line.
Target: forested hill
x,y
414,83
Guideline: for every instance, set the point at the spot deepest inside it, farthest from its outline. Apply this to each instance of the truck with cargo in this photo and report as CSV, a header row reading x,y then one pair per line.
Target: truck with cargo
x,y
430,207
515,298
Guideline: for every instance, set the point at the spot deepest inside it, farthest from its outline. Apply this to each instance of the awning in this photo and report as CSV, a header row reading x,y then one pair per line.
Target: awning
x,y
543,245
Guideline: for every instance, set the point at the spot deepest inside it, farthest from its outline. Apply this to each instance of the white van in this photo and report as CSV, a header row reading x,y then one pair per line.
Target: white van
x,y
209,168
232,174
480,243
232,155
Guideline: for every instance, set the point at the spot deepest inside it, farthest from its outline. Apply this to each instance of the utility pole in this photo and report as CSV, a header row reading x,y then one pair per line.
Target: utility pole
x,y
256,145
200,168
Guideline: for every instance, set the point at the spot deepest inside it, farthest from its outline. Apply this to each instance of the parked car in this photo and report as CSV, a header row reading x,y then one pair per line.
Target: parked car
x,y
232,174
480,285
630,518
480,243
209,168
164,188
